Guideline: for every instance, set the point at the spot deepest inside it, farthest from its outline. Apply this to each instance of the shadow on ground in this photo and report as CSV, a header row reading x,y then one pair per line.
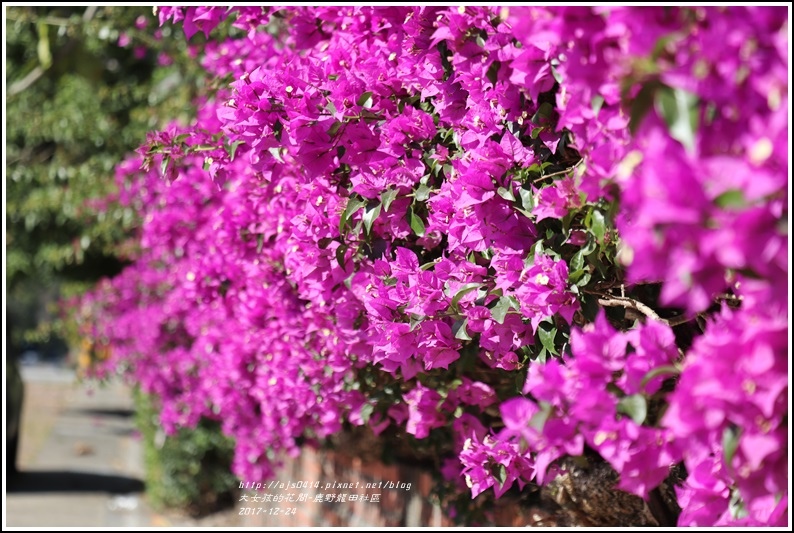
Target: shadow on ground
x,y
112,413
41,481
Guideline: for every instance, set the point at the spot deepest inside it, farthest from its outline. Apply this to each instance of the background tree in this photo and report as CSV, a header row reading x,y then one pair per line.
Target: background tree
x,y
84,86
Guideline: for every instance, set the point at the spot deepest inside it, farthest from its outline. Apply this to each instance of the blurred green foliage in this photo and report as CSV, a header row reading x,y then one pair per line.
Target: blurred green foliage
x,y
84,85
77,102
189,470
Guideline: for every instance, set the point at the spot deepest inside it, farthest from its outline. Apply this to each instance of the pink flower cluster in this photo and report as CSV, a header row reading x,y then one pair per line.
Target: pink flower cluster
x,y
598,398
394,214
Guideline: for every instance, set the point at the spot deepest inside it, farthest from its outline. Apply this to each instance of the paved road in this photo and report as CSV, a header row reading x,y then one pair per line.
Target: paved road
x,y
80,457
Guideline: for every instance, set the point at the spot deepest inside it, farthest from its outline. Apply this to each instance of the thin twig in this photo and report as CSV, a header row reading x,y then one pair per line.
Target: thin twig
x,y
50,21
618,301
609,300
641,282
558,173
31,78
678,320
89,13
19,86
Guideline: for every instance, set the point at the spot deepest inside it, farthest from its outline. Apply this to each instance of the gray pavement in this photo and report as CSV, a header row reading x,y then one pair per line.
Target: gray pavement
x,y
81,460
80,456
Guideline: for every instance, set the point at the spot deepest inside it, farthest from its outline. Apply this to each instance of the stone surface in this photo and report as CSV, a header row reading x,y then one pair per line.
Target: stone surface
x,y
81,460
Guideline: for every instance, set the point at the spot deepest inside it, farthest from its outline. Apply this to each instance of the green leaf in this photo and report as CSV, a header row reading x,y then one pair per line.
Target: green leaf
x,y
416,223
463,291
422,193
527,199
547,338
667,370
369,217
597,101
340,255
730,442
535,132
584,280
543,113
730,198
366,412
323,243
736,506
232,149
538,420
276,153
278,128
588,248
502,307
507,194
556,74
164,165
575,274
331,107
661,44
501,474
641,104
387,197
598,225
429,265
415,320
679,109
365,100
459,330
353,205
635,406
334,128
493,72
577,261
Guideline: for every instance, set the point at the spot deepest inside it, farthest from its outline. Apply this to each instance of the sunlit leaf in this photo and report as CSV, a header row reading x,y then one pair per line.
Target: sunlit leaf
x,y
547,338
731,198
598,225
679,110
635,406
459,330
416,223
369,217
353,205
365,100
387,197
730,443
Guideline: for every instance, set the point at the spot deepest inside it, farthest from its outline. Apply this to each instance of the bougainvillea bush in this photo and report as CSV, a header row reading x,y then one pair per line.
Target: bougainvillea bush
x,y
509,235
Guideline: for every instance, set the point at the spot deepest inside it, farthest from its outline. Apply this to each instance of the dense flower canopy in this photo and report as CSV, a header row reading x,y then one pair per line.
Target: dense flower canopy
x,y
523,233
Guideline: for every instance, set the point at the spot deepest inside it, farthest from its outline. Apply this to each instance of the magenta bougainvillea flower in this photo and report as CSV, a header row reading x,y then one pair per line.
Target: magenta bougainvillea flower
x,y
514,234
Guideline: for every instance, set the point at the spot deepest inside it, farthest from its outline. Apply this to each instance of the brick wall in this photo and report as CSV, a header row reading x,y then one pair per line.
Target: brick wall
x,y
332,489
374,502
344,491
